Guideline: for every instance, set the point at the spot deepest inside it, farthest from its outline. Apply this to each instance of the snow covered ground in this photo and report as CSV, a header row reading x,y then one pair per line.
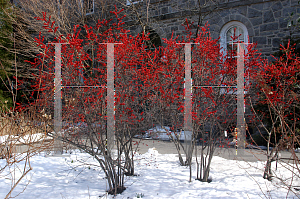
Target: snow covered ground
x,y
14,139
159,176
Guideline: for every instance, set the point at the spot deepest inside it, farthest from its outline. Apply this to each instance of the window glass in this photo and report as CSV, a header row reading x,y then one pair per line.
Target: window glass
x,y
234,34
89,6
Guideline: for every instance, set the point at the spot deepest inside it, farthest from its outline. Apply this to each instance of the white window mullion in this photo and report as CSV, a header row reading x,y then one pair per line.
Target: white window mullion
x,y
88,6
130,2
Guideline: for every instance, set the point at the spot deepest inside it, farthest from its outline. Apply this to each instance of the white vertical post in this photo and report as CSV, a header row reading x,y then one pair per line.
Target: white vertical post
x,y
240,96
57,99
110,97
188,93
188,126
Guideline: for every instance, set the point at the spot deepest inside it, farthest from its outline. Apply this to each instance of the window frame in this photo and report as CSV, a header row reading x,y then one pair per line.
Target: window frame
x,y
225,29
223,42
86,11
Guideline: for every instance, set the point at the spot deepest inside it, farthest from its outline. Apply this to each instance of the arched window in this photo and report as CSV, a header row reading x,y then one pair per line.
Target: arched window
x,y
232,32
154,41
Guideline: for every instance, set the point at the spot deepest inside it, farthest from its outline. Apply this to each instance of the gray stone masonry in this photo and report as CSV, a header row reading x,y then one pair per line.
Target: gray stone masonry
x,y
265,20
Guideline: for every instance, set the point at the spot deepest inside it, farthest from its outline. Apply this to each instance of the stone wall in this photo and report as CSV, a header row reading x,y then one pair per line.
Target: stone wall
x,y
265,20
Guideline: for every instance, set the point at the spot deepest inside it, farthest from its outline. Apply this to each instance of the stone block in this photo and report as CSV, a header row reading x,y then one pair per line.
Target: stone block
x,y
244,20
167,29
277,14
220,23
281,35
164,10
268,17
267,5
285,3
266,49
217,29
266,33
269,27
233,11
214,20
277,6
212,27
187,12
256,32
243,10
224,13
170,16
174,28
238,17
181,28
258,47
252,13
260,40
250,29
257,6
294,3
276,42
256,21
215,35
226,19
283,22
288,11
232,17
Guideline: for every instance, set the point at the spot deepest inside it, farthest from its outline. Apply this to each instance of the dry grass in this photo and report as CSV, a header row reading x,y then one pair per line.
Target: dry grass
x,y
20,135
19,126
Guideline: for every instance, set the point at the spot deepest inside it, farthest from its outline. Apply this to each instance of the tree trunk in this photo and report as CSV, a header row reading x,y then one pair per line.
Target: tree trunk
x,y
268,172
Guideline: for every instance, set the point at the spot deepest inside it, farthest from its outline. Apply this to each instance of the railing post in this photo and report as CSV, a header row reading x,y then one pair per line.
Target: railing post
x,y
240,97
57,100
188,128
188,125
110,97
